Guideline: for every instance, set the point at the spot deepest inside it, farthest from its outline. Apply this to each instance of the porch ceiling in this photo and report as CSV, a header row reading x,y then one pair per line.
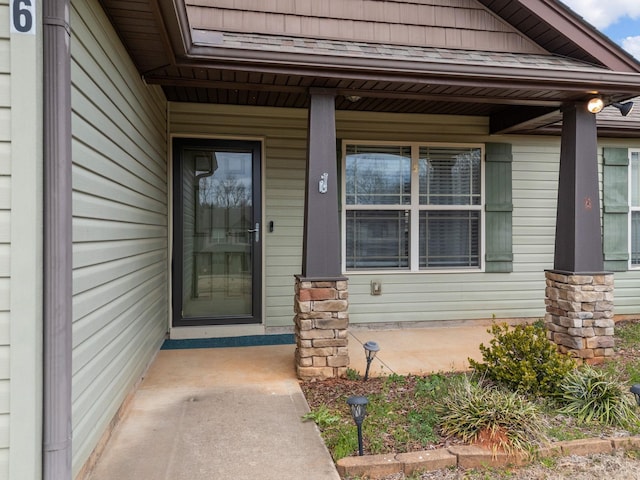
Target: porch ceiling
x,y
520,93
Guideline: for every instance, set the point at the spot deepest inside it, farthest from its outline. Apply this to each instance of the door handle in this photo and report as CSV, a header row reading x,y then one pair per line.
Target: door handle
x,y
256,232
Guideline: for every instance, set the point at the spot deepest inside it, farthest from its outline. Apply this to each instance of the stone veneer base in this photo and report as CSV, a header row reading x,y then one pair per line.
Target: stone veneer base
x,y
579,316
321,321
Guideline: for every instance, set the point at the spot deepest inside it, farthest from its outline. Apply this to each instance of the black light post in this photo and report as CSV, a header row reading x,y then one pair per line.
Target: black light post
x,y
635,389
370,350
358,406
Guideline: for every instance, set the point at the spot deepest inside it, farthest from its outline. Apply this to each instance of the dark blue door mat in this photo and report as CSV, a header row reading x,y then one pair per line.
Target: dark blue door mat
x,y
245,341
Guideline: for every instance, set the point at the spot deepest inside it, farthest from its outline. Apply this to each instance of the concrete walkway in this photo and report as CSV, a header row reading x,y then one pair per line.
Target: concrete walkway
x,y
235,413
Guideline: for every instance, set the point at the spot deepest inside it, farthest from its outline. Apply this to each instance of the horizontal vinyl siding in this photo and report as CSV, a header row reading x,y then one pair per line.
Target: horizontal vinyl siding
x,y
406,297
409,296
284,133
419,297
5,230
120,304
627,284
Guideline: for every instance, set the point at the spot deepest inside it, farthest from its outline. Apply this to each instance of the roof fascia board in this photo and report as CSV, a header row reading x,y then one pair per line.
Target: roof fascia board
x,y
579,81
160,17
175,25
565,20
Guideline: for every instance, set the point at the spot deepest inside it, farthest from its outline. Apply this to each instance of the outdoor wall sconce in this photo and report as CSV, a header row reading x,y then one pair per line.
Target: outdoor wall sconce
x,y
370,350
635,389
595,105
358,406
625,108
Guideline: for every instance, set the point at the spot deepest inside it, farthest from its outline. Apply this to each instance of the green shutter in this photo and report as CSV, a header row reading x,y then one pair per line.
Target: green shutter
x,y
615,209
498,208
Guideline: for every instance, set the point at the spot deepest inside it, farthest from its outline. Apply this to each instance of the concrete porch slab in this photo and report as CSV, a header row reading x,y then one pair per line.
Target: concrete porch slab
x,y
222,413
418,350
217,414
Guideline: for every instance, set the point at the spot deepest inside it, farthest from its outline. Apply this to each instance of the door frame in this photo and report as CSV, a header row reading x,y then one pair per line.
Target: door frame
x,y
257,317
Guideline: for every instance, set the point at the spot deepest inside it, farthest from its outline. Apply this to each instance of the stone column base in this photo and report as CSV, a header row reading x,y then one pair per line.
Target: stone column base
x,y
321,322
579,316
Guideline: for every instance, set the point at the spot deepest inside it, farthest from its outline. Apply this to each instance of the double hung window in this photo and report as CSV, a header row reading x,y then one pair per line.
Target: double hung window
x,y
412,207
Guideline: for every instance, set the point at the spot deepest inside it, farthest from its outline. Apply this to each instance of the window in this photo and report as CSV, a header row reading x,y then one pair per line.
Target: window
x,y
412,207
634,189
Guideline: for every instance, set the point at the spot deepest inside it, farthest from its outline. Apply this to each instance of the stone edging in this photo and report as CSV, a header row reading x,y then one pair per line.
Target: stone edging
x,y
469,456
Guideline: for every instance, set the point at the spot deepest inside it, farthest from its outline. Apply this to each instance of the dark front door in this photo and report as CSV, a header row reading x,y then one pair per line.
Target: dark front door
x,y
217,232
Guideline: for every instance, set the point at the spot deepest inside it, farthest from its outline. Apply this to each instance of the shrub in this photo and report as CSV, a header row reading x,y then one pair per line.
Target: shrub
x,y
523,359
594,396
496,418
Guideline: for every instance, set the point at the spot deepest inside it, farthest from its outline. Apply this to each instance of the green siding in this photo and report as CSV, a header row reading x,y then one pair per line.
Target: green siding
x,y
283,132
21,265
5,229
120,225
419,297
627,282
407,297
458,296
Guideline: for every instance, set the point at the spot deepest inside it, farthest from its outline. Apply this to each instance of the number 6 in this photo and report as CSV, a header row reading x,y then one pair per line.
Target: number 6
x,y
22,19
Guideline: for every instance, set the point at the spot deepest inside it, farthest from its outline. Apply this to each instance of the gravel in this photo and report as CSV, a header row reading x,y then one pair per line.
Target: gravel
x,y
616,466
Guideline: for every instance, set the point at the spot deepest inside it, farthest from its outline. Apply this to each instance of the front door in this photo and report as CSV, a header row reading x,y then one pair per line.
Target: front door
x,y
217,232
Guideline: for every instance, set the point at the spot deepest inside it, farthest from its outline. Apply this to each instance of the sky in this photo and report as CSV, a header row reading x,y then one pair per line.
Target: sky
x,y
618,19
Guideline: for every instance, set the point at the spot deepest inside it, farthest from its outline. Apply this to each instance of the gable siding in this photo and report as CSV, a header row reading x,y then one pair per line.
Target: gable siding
x,y
5,229
436,23
120,302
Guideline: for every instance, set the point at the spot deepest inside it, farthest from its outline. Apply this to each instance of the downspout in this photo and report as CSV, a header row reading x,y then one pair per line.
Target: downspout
x,y
56,462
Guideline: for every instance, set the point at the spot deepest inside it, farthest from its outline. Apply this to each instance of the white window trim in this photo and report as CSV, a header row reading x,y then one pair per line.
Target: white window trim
x,y
632,209
414,207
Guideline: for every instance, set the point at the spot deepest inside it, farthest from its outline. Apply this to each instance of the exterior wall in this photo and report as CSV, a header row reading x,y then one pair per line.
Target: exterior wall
x,y
410,297
437,23
406,297
120,235
626,283
5,229
284,132
20,252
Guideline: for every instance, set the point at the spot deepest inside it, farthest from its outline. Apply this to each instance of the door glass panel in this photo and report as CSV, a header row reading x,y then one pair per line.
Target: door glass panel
x,y
218,232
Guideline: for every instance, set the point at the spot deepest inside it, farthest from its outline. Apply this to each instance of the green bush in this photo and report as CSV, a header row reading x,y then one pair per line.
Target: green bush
x,y
595,396
523,359
500,419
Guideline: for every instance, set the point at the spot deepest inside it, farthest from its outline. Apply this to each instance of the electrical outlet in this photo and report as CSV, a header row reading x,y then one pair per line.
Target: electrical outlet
x,y
376,287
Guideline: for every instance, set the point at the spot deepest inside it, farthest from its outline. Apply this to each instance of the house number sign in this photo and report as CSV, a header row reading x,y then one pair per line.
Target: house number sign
x,y
22,14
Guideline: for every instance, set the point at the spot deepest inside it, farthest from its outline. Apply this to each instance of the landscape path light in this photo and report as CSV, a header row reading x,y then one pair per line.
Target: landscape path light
x,y
358,406
370,350
635,389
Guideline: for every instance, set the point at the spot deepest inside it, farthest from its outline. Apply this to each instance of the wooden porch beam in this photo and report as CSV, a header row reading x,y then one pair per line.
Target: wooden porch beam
x,y
517,119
